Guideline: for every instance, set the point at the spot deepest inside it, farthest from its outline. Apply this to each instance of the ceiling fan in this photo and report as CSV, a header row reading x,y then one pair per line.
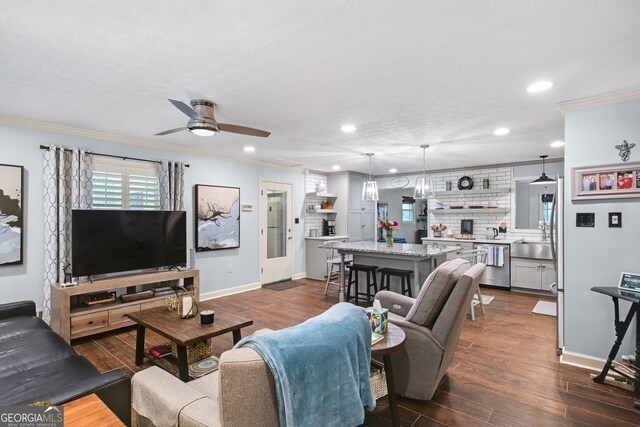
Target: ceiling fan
x,y
203,123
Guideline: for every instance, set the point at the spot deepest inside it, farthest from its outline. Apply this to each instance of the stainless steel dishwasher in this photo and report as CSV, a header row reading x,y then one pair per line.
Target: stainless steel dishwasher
x,y
498,271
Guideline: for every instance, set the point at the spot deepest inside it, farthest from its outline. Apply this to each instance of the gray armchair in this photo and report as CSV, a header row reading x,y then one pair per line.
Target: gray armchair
x,y
432,323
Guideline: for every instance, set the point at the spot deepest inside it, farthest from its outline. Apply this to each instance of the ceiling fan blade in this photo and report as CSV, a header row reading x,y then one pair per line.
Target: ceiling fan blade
x,y
243,130
167,132
186,109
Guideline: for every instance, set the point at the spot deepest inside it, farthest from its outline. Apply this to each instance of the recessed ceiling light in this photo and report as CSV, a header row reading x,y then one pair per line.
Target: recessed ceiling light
x,y
556,144
335,167
393,170
249,149
501,131
348,128
539,86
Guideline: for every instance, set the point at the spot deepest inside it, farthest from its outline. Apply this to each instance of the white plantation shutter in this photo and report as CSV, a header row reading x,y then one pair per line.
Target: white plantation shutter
x,y
144,190
107,189
124,184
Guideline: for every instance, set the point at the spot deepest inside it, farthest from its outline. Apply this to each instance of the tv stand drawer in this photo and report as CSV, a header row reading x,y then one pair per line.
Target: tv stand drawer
x,y
88,322
118,316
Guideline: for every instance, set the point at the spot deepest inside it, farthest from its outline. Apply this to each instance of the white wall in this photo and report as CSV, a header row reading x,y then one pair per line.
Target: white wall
x,y
20,146
596,256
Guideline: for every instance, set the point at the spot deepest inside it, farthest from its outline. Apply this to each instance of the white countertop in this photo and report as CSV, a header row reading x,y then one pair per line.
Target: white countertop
x,y
327,238
507,241
402,249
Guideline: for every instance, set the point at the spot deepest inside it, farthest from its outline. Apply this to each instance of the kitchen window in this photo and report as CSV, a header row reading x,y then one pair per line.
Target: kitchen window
x,y
407,209
124,184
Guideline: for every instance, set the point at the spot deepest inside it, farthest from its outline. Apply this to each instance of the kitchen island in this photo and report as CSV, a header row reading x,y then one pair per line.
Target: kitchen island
x,y
422,259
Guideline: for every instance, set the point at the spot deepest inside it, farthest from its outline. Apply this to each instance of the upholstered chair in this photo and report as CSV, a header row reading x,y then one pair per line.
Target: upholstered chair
x,y
432,323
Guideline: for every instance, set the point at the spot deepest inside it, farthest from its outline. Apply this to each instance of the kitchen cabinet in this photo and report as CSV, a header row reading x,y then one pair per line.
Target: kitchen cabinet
x,y
361,226
354,218
533,274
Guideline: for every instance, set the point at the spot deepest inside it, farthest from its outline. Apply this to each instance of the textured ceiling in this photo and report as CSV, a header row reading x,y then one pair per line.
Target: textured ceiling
x,y
405,73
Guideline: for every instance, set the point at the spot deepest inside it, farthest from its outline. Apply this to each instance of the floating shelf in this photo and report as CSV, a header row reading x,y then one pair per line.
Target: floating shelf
x,y
465,210
472,191
325,195
322,211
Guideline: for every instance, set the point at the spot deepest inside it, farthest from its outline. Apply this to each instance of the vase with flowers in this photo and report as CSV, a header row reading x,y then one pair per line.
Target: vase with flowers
x,y
388,226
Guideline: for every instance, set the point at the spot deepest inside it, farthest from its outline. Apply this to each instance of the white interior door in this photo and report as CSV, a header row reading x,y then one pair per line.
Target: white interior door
x,y
276,236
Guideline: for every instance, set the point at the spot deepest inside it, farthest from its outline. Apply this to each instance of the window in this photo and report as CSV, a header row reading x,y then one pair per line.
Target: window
x,y
407,209
124,184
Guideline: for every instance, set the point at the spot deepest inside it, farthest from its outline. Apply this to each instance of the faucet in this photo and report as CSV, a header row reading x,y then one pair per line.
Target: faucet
x,y
544,227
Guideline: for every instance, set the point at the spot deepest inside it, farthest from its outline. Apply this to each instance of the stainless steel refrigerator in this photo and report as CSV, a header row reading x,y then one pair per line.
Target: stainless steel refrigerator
x,y
557,250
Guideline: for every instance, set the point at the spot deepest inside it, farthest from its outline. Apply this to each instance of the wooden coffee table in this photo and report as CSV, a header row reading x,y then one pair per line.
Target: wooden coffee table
x,y
184,332
393,341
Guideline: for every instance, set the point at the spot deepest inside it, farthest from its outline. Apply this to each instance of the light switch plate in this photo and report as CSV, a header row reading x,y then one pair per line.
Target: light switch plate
x,y
615,219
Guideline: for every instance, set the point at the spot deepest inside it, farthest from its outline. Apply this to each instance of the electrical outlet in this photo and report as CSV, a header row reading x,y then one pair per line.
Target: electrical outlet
x,y
229,269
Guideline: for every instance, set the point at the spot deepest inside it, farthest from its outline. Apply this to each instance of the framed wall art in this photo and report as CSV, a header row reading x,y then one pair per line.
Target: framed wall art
x,y
11,214
606,182
217,217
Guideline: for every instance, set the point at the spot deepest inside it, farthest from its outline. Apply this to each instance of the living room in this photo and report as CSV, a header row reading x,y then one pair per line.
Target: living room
x,y
98,79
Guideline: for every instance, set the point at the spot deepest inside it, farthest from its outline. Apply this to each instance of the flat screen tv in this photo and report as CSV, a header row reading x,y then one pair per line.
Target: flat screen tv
x,y
110,241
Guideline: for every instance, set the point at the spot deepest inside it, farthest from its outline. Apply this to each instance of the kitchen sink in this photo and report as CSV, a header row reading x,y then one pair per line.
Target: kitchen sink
x,y
535,250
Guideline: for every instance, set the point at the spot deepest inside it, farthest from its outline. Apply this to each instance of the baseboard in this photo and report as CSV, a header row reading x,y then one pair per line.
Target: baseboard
x,y
229,291
582,361
299,276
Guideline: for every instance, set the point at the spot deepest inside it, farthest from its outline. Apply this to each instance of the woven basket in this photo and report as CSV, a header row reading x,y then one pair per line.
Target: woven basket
x,y
378,380
195,352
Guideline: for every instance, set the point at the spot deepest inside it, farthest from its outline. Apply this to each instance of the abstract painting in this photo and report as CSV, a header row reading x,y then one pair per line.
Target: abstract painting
x,y
217,217
11,217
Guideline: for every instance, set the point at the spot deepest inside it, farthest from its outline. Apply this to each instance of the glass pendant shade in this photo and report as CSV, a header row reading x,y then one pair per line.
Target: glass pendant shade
x,y
370,188
421,190
370,191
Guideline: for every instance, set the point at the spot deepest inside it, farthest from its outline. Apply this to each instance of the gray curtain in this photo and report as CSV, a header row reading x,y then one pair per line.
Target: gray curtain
x,y
67,186
171,177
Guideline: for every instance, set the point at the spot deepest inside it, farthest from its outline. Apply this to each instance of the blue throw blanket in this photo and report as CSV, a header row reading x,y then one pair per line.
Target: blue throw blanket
x,y
320,368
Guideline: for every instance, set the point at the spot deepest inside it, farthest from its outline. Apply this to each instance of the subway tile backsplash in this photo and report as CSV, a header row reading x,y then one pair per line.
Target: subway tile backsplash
x,y
313,220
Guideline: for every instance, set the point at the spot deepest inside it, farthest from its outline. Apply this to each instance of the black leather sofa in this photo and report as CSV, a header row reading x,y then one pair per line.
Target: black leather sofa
x,y
37,365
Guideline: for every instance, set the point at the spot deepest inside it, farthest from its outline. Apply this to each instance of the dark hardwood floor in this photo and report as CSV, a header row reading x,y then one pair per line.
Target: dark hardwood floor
x,y
504,373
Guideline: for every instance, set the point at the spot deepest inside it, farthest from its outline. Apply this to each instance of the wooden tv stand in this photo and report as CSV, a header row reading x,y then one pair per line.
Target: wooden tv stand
x,y
70,322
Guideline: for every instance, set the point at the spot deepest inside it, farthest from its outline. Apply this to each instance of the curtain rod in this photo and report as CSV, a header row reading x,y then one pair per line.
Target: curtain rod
x,y
46,147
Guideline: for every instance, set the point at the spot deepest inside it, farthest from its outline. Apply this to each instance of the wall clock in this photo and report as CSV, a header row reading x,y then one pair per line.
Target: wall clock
x,y
400,182
465,183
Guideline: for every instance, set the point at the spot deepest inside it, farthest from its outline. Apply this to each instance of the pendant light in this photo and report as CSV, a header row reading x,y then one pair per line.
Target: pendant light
x,y
544,179
421,190
370,188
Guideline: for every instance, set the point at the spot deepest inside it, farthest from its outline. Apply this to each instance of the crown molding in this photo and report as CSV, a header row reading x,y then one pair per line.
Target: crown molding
x,y
105,136
594,101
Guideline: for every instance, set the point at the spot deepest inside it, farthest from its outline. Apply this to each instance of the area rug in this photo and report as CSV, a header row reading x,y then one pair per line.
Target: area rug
x,y
486,299
281,286
204,367
548,308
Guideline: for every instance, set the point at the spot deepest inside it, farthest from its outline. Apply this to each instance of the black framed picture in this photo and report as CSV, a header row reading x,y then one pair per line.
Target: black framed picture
x,y
466,226
11,214
217,219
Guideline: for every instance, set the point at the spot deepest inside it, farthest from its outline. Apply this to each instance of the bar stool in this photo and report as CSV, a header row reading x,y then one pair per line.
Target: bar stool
x,y
474,256
404,275
333,264
371,281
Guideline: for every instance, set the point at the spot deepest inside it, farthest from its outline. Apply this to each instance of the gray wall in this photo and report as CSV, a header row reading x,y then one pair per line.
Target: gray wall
x,y
20,146
596,256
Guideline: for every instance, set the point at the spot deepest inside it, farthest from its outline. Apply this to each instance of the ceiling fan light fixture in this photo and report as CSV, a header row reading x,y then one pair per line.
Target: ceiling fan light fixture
x,y
544,179
370,188
202,131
